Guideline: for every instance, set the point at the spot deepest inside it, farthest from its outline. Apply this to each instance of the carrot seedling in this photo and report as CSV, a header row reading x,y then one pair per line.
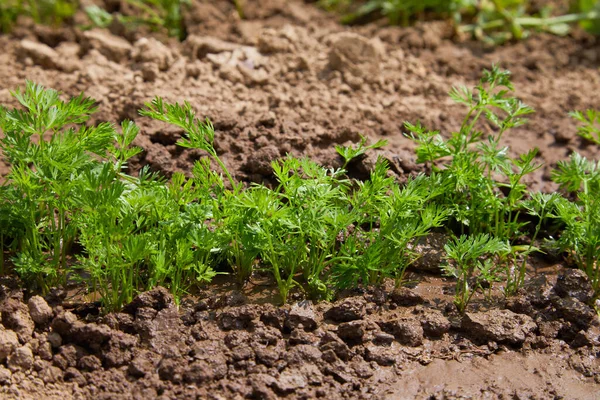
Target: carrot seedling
x,y
471,262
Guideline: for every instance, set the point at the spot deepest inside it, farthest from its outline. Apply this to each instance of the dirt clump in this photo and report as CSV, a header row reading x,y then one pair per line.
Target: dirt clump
x,y
501,326
296,351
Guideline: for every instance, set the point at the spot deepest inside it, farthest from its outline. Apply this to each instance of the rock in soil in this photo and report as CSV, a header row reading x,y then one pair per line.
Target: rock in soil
x,y
356,55
502,326
575,311
40,311
15,316
351,332
8,343
21,359
431,251
349,309
303,315
113,47
5,375
574,283
404,296
40,54
157,299
150,50
435,324
407,331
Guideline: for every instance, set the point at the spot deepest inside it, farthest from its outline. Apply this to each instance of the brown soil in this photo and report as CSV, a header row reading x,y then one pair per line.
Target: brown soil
x,y
369,344
290,79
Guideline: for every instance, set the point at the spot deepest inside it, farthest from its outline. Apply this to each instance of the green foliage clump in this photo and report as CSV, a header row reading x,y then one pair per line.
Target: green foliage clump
x,y
494,21
154,14
471,260
67,185
317,230
485,185
590,130
48,156
580,237
487,198
69,211
294,230
50,12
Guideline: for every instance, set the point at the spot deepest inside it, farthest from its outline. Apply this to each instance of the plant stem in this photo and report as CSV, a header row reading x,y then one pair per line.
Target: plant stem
x,y
234,186
239,7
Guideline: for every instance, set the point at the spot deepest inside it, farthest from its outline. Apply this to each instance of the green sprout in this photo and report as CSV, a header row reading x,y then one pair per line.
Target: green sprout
x,y
590,130
471,262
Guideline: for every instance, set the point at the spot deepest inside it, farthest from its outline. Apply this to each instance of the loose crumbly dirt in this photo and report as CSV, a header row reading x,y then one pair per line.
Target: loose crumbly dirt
x,y
290,79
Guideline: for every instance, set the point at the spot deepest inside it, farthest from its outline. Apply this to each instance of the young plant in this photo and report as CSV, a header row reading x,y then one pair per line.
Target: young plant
x,y
485,188
540,207
11,226
318,199
239,234
351,152
388,220
199,134
471,262
114,253
590,130
49,150
581,235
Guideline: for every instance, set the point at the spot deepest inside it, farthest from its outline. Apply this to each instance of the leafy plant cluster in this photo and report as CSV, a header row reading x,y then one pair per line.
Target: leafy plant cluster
x,y
69,211
50,12
490,210
154,14
590,128
495,21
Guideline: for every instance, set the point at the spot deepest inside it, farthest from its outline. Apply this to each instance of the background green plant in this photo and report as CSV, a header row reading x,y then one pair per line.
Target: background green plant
x,y
154,14
494,21
50,12
592,7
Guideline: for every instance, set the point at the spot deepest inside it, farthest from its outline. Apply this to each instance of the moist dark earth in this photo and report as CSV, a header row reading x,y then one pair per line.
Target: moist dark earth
x,y
290,79
370,344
